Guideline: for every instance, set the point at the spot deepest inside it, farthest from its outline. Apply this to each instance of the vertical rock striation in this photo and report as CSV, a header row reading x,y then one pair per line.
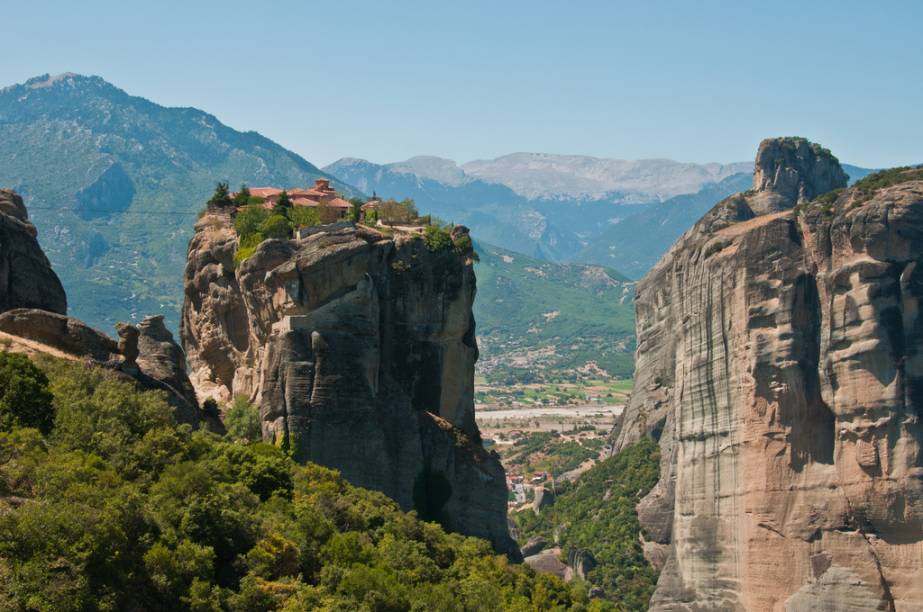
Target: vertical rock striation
x,y
359,349
26,277
780,365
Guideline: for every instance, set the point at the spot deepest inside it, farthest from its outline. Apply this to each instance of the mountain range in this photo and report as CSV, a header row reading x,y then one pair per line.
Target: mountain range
x,y
564,208
114,183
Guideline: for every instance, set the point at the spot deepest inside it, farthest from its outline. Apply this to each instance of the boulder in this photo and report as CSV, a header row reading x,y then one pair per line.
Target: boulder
x,y
533,546
26,277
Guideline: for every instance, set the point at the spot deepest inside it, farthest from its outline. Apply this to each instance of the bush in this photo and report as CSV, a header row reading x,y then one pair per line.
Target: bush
x,y
242,421
392,212
24,397
276,226
437,238
304,216
249,219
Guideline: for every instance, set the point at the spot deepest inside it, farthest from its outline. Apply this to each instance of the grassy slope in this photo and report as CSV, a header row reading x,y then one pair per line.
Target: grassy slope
x,y
575,313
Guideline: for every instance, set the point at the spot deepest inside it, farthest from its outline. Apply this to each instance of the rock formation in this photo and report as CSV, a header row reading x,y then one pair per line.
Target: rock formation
x,y
33,320
26,277
779,363
359,349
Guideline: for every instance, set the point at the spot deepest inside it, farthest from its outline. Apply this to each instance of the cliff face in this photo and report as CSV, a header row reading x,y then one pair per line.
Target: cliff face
x,y
33,319
359,349
779,364
26,277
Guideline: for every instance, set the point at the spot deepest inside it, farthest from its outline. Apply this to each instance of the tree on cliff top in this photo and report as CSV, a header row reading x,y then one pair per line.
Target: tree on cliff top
x,y
283,204
221,197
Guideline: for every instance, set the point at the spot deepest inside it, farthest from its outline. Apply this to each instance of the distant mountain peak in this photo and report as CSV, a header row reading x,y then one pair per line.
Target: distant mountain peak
x,y
439,169
552,176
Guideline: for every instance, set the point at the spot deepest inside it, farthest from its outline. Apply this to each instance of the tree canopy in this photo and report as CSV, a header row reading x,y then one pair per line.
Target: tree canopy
x,y
122,509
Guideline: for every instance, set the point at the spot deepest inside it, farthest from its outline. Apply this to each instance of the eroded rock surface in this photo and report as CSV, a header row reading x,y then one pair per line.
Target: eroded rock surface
x,y
33,320
26,277
779,364
359,349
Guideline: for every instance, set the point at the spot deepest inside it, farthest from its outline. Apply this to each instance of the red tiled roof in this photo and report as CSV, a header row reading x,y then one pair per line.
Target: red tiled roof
x,y
263,192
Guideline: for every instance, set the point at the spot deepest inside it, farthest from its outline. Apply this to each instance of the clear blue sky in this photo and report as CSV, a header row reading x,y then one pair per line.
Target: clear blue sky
x,y
694,81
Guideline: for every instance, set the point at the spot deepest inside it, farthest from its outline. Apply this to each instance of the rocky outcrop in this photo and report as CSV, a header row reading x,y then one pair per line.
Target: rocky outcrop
x,y
33,320
779,363
26,277
359,348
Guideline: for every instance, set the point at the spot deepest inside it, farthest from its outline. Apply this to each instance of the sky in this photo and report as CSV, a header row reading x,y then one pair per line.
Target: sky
x,y
385,80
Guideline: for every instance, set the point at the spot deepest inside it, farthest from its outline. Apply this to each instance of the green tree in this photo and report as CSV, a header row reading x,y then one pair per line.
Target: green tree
x,y
355,210
222,196
242,421
242,197
276,226
304,216
249,219
283,204
437,238
25,400
392,212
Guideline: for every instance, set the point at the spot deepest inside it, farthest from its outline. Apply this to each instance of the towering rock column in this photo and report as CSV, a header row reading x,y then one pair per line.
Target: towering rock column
x,y
779,364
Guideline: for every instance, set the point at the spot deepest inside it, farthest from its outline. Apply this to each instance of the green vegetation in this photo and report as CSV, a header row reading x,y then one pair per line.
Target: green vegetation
x,y
242,421
392,212
118,508
304,216
283,205
242,197
886,178
24,395
276,227
540,322
437,238
222,196
608,529
547,451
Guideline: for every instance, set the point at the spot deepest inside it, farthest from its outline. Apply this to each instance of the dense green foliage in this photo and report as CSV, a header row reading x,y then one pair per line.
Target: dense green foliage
x,y
276,226
282,205
242,421
559,316
597,513
437,238
304,216
24,395
118,508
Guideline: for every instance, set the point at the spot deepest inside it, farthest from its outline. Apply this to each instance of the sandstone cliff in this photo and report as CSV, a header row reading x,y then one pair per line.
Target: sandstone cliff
x,y
33,319
359,349
779,363
26,277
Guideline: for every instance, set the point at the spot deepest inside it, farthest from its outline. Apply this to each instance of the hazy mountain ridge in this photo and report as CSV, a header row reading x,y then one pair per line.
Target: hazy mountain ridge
x,y
549,176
